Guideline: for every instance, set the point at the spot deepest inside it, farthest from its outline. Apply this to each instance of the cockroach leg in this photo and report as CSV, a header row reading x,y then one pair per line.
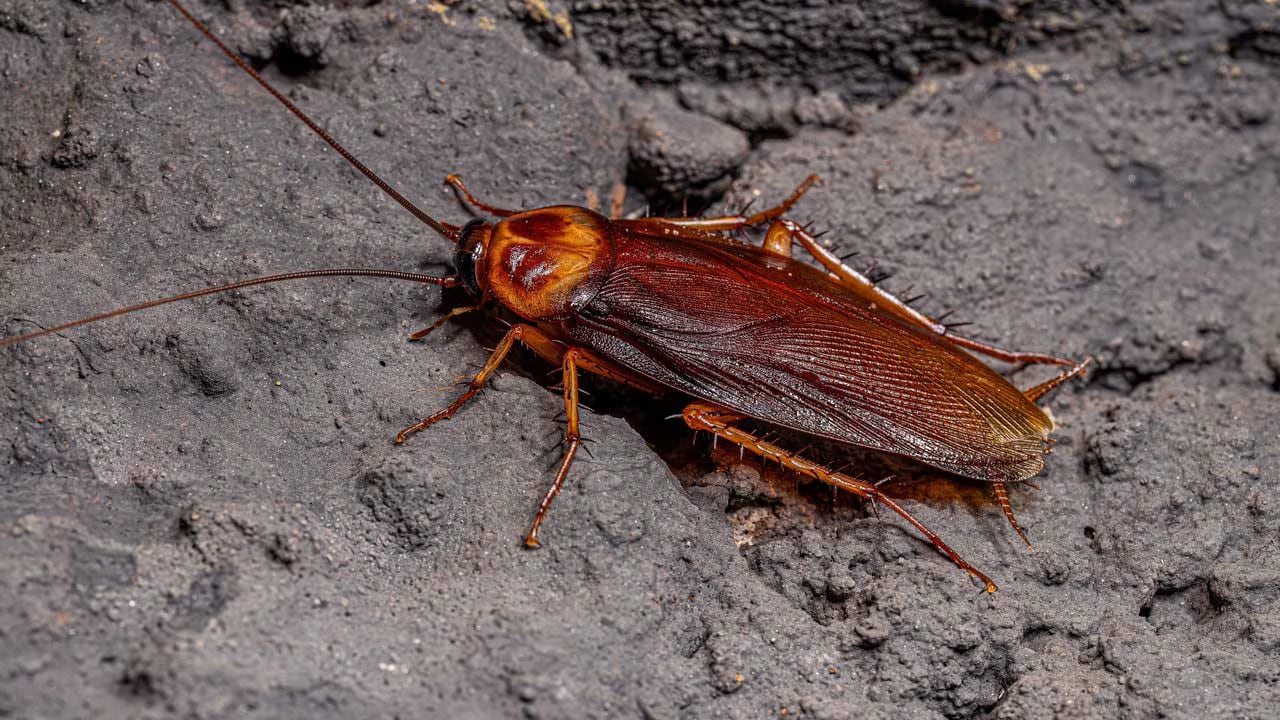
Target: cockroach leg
x,y
541,343
1009,356
616,200
863,285
1033,394
455,312
514,335
690,228
1043,388
719,421
783,207
778,240
783,232
851,278
571,359
1002,496
462,190
572,441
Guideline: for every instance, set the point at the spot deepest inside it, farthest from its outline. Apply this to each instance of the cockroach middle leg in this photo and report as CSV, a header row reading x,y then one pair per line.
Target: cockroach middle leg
x,y
461,188
572,440
571,360
541,343
719,421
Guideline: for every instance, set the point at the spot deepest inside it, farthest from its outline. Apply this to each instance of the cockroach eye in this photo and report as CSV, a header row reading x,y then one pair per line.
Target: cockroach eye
x,y
470,249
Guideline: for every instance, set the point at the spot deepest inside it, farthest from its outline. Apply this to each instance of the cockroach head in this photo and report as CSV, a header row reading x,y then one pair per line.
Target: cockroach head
x,y
471,244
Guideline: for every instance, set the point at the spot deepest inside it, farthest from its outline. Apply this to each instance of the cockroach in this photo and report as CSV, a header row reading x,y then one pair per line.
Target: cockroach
x,y
747,332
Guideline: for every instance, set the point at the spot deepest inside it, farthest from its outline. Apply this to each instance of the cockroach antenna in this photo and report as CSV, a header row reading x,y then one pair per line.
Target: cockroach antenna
x,y
299,275
751,335
450,232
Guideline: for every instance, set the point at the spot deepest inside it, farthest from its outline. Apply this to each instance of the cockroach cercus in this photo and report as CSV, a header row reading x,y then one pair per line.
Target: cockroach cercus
x,y
747,332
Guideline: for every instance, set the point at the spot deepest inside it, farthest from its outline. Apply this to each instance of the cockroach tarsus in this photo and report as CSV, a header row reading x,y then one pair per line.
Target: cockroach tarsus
x,y
746,331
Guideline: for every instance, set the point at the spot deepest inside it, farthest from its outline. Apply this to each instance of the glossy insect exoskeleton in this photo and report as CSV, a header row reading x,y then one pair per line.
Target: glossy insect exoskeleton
x,y
745,331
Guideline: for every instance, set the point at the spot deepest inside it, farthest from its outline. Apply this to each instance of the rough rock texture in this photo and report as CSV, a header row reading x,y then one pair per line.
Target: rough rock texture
x,y
202,514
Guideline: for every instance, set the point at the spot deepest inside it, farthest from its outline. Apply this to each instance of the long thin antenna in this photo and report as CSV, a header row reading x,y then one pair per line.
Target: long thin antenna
x,y
299,275
448,231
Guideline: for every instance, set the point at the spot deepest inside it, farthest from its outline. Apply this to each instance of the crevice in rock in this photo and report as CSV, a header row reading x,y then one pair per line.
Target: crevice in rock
x,y
1126,379
1258,44
1193,604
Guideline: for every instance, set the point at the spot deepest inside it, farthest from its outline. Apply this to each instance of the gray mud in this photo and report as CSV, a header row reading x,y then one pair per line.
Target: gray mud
x,y
203,514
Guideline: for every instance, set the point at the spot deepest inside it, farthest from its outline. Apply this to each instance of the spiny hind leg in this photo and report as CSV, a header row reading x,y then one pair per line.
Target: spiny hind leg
x,y
461,188
782,233
779,238
864,287
719,422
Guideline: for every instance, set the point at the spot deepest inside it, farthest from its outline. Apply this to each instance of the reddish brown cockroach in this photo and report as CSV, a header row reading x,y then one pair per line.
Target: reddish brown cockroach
x,y
747,332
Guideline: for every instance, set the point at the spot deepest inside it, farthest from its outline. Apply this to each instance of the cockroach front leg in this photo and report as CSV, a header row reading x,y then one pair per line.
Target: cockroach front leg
x,y
719,422
516,334
462,190
439,323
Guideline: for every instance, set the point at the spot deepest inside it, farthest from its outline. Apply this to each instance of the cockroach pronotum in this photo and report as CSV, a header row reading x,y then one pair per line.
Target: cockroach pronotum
x,y
747,332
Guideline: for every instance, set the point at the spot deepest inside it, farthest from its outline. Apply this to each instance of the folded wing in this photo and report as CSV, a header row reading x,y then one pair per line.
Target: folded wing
x,y
780,341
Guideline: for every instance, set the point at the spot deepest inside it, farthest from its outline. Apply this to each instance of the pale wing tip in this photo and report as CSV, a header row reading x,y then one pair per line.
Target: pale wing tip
x,y
1028,453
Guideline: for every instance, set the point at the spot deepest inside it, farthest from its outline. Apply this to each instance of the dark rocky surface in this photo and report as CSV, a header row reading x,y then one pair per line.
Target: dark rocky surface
x,y
203,514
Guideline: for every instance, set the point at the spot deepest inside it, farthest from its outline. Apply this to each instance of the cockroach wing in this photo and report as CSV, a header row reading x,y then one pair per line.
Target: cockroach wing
x,y
782,342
